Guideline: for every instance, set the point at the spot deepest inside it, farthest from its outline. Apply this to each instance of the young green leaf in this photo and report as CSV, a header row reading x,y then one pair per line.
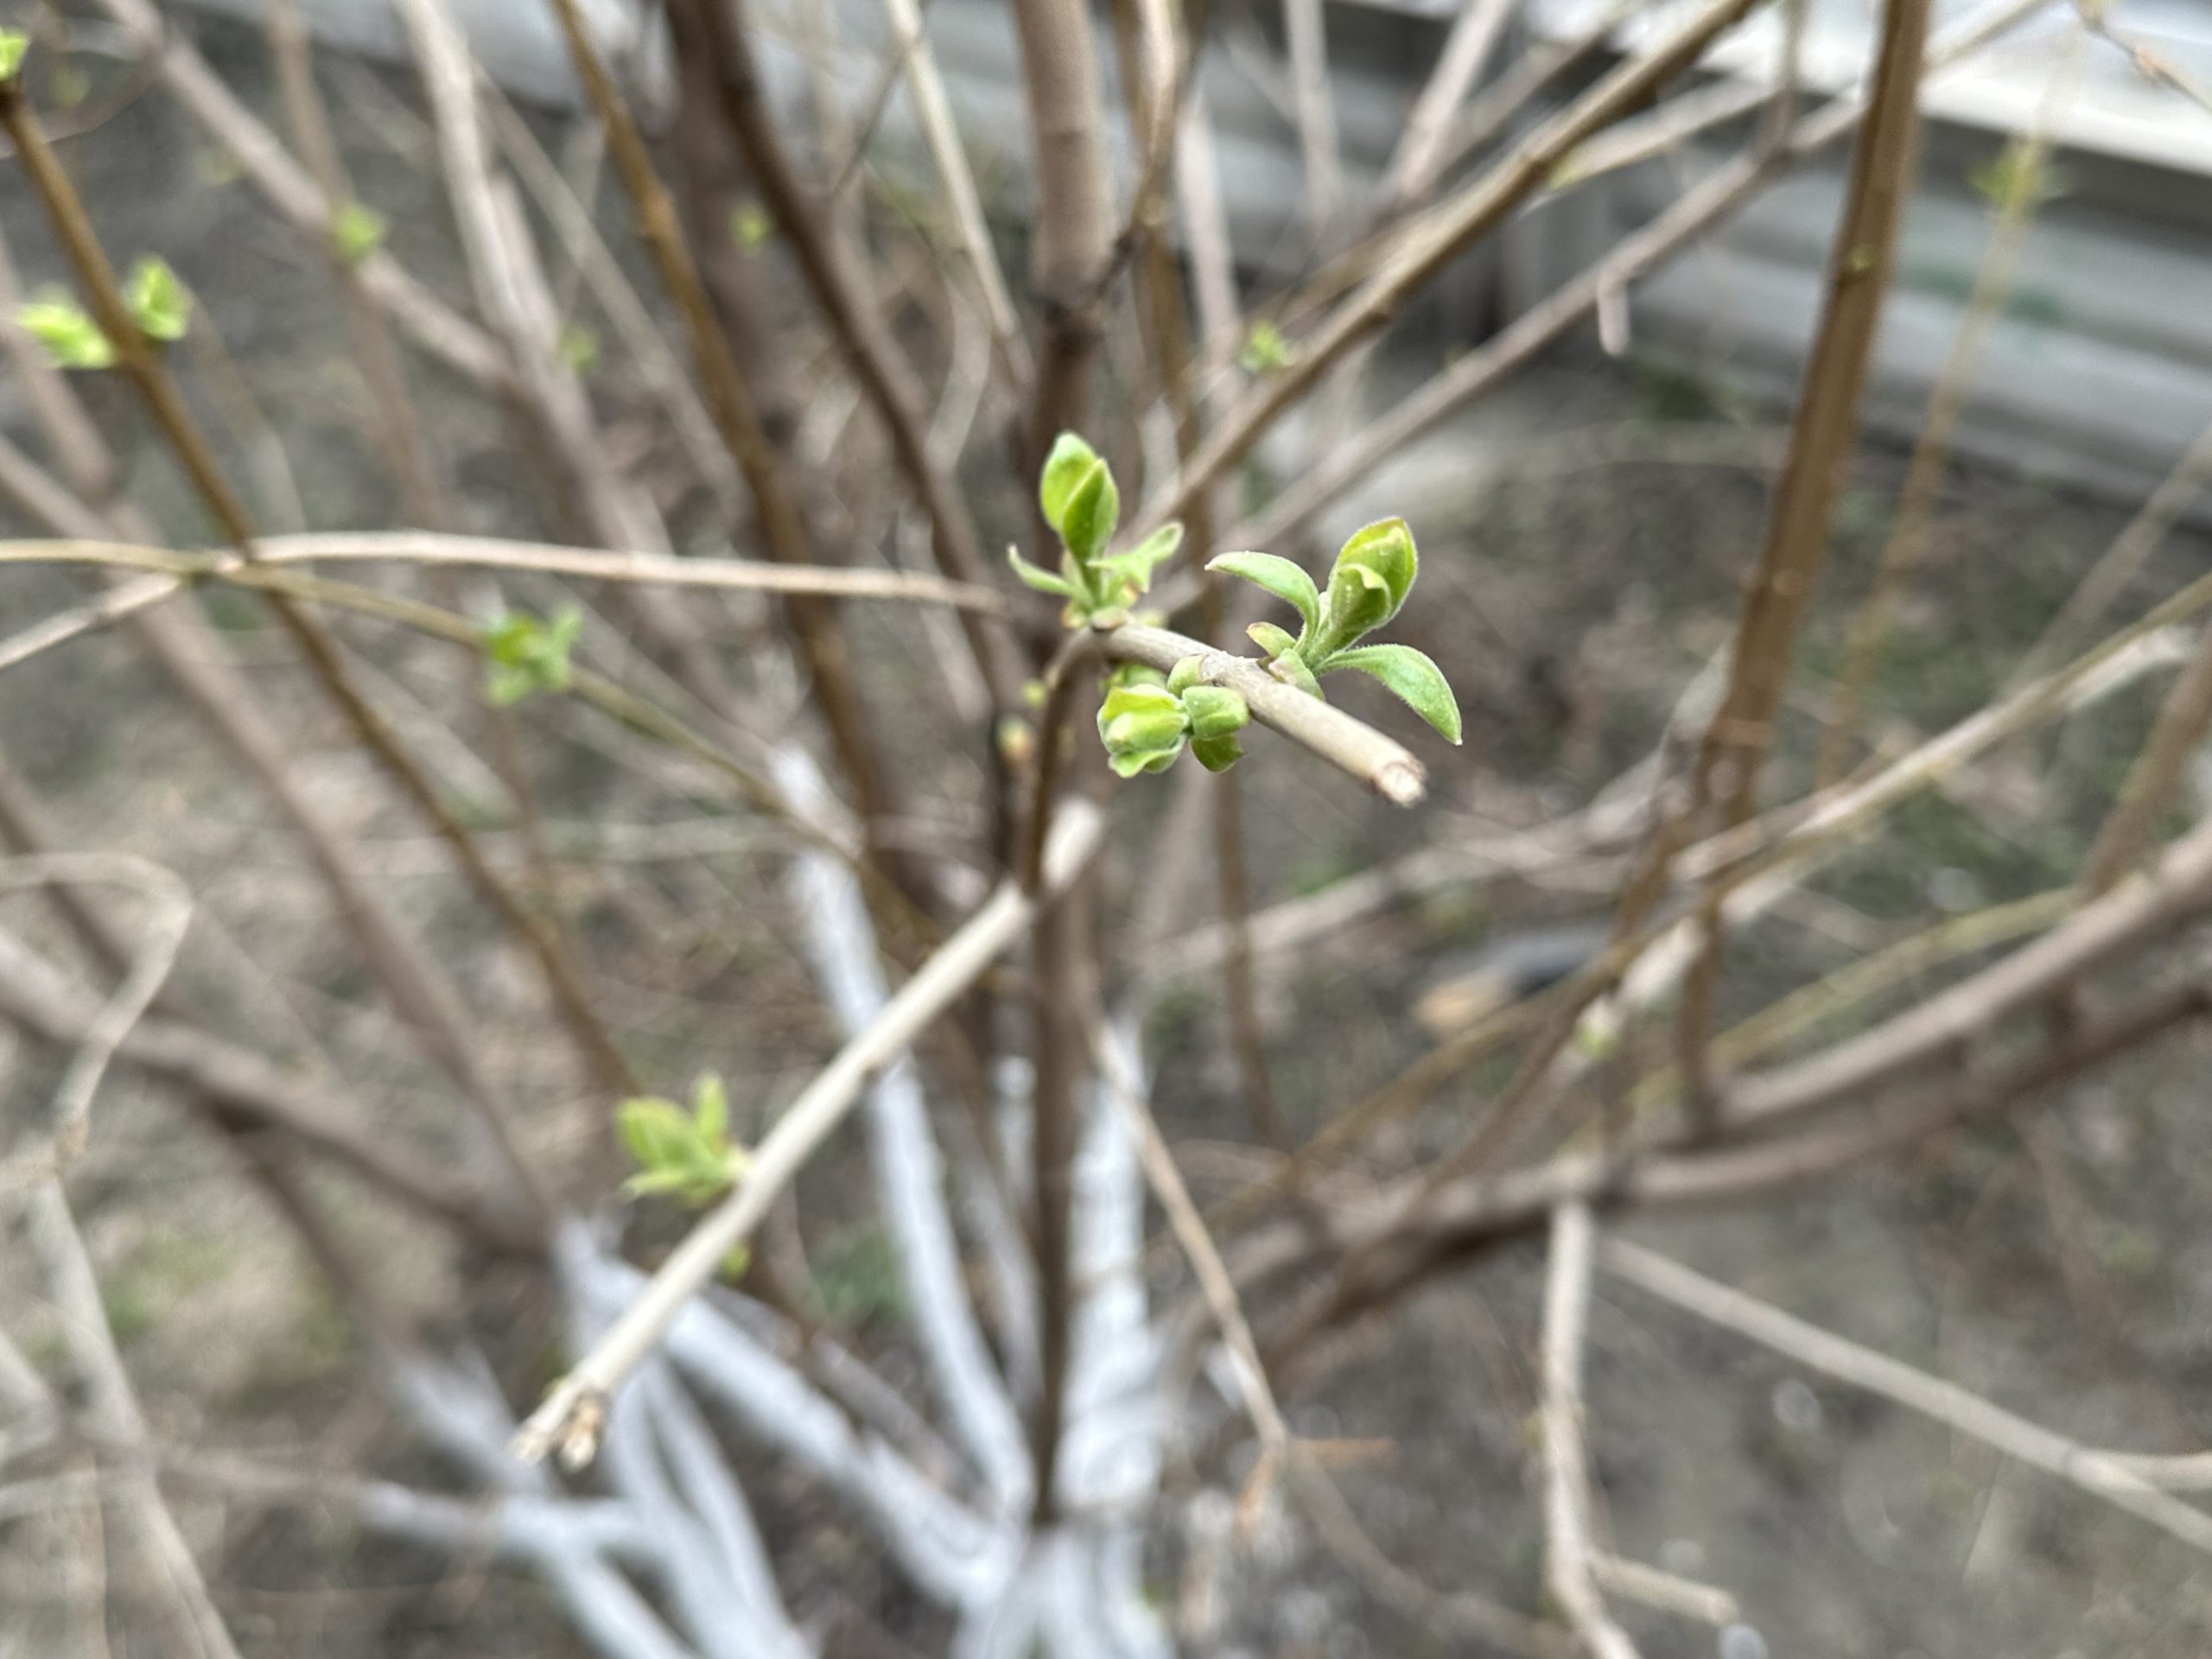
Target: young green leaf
x,y
158,302
1413,678
357,229
1071,458
1092,510
657,1131
1133,569
72,339
1280,577
529,654
711,1109
750,228
577,348
13,45
1373,573
1036,576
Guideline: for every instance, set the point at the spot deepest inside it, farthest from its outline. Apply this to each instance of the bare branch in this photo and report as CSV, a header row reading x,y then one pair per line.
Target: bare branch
x,y
114,1410
1434,243
2113,1478
1567,1546
572,1413
493,553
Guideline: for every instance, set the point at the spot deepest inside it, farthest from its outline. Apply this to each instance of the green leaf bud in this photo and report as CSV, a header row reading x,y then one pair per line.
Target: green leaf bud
x,y
1064,469
1371,580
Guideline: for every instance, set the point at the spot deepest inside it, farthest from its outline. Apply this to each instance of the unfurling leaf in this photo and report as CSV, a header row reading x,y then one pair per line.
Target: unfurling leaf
x,y
157,300
72,339
750,228
710,1107
1038,577
1371,580
1064,469
529,654
1287,581
1092,510
688,1155
1133,570
1413,678
1215,711
1142,726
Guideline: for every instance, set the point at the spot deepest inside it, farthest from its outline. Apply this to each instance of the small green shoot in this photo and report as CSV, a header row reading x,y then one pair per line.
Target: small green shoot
x,y
1372,577
529,654
358,230
72,339
1084,507
686,1154
1265,350
157,300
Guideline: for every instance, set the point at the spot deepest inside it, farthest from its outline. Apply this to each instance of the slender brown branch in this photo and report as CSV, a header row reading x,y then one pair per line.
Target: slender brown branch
x,y
1568,1547
2026,161
2114,1477
1419,160
135,356
495,553
1072,245
113,1408
497,250
1435,240
294,193
242,1093
1725,778
720,32
573,1413
1690,216
2183,718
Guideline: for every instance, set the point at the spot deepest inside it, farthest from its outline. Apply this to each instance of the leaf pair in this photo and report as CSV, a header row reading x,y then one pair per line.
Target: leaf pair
x,y
528,653
688,1154
1083,506
157,302
1145,721
1369,585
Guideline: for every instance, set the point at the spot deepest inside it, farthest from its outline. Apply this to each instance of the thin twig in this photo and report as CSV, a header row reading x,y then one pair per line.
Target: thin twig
x,y
1688,217
170,900
1419,160
574,1411
494,553
1568,1547
1434,241
113,1408
1725,778
2117,1479
721,31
